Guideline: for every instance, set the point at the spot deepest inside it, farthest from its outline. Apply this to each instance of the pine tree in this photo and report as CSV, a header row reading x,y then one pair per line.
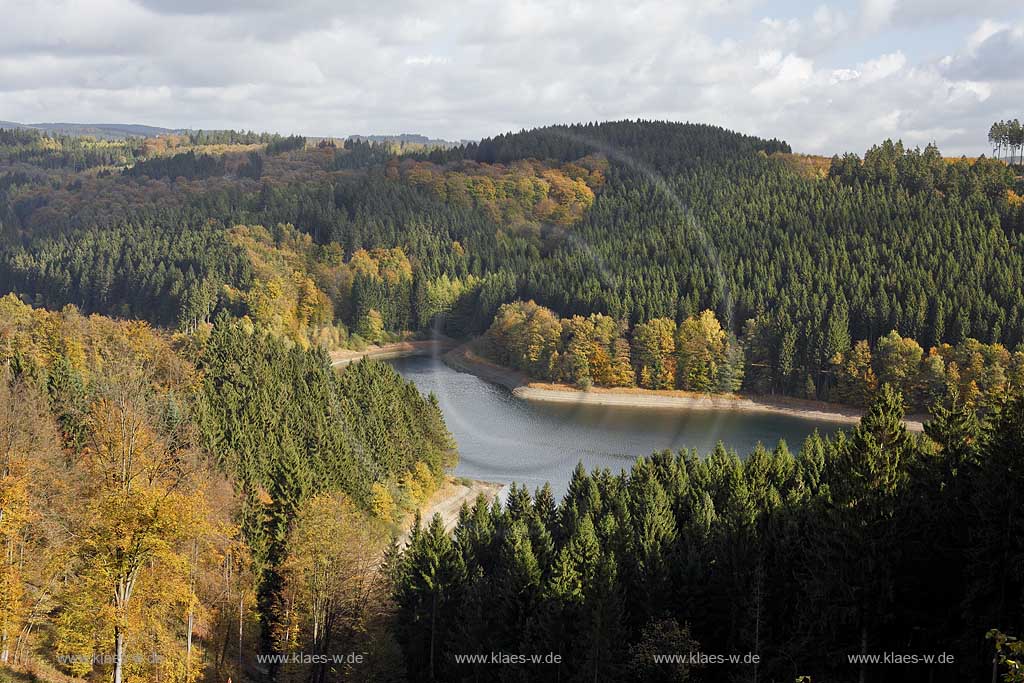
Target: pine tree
x,y
68,400
516,585
871,472
427,593
653,536
544,506
995,522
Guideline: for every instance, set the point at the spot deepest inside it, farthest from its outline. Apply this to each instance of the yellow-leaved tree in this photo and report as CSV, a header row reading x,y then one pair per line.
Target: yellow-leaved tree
x,y
28,444
333,583
700,351
141,520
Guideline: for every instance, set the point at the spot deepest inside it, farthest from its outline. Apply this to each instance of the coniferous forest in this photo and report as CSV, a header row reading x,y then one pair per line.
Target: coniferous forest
x,y
806,558
799,261
188,487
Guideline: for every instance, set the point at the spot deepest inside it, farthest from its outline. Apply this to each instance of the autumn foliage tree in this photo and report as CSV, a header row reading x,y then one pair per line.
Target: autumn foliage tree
x,y
111,541
696,355
333,585
29,449
144,509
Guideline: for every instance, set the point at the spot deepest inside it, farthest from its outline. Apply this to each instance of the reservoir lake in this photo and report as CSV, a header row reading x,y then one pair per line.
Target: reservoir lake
x,y
506,439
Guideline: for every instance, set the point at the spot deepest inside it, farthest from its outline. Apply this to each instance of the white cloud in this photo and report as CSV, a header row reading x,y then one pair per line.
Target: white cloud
x,y
995,52
985,30
788,79
881,67
878,13
426,60
888,123
918,13
474,68
841,75
828,21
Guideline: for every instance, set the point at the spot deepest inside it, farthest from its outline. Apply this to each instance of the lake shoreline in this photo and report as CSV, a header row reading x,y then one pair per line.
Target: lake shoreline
x,y
404,349
464,359
448,499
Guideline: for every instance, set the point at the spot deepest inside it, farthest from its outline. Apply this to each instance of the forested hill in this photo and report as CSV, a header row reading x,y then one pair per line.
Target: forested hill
x,y
656,254
102,131
638,220
664,146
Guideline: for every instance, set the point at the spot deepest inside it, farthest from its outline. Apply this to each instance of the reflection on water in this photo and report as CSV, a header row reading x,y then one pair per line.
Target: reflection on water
x,y
505,439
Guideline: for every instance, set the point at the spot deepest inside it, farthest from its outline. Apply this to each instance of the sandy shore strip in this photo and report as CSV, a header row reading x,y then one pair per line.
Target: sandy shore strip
x,y
448,500
465,359
427,347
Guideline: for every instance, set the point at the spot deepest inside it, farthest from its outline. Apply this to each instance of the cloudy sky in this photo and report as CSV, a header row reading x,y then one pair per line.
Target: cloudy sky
x,y
826,77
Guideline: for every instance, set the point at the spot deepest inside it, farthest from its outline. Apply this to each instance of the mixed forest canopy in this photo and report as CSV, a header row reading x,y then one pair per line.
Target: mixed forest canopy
x,y
698,355
163,377
172,474
635,220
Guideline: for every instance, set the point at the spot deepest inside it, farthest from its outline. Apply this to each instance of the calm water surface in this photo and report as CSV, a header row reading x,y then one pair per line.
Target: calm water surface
x,y
502,438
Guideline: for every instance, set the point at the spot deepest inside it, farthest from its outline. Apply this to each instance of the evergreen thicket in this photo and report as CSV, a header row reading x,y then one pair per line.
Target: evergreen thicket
x,y
876,541
281,145
187,165
286,427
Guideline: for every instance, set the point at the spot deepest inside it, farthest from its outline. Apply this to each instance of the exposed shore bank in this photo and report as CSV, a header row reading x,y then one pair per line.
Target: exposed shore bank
x,y
465,359
448,500
427,347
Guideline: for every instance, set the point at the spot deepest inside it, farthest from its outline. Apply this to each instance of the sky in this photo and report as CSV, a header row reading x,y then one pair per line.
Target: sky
x,y
826,77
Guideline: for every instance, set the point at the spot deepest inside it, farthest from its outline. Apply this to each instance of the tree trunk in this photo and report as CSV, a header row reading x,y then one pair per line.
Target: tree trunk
x,y
191,607
188,641
433,626
5,635
118,653
324,647
222,660
863,677
241,606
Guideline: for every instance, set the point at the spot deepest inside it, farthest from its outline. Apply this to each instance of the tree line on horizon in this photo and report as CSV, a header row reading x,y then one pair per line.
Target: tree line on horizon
x,y
1007,138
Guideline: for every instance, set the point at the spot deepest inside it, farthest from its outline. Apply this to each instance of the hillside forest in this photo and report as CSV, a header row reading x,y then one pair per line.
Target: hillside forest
x,y
344,246
189,489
